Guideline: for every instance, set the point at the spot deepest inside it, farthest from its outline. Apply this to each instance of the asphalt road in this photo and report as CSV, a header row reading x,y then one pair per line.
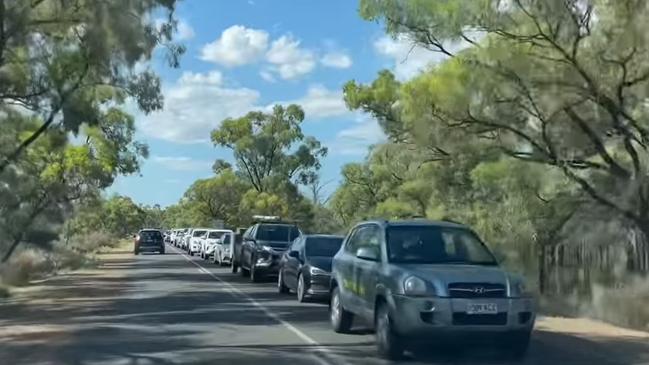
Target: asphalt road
x,y
173,309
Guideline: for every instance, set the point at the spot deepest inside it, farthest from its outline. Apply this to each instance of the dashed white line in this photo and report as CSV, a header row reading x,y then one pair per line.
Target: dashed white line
x,y
333,358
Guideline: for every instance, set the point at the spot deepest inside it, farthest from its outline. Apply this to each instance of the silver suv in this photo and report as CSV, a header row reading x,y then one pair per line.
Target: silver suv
x,y
427,280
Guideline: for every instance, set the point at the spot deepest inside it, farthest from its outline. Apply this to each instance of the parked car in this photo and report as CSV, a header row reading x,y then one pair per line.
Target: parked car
x,y
187,235
222,253
148,240
177,237
209,241
427,280
195,240
262,248
306,266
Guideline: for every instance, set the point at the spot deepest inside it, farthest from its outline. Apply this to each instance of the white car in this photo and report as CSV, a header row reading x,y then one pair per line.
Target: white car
x,y
195,239
184,240
220,247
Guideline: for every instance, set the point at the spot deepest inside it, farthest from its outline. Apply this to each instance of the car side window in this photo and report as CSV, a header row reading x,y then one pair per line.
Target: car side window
x,y
354,242
369,236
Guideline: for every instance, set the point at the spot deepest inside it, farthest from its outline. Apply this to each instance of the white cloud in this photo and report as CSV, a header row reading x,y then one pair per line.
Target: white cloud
x,y
336,60
320,102
236,46
210,78
289,60
181,163
184,31
267,75
408,60
357,139
194,106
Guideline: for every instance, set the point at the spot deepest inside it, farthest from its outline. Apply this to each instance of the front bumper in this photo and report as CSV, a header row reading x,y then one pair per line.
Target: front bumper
x,y
446,317
194,247
268,264
319,285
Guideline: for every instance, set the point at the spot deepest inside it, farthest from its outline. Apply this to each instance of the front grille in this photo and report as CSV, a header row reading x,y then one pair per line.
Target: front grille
x,y
476,290
464,319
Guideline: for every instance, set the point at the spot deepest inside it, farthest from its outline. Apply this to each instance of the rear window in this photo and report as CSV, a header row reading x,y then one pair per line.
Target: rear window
x,y
323,246
276,232
150,235
198,233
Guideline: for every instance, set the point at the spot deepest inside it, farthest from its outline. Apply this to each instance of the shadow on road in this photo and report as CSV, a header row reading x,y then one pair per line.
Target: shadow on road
x,y
161,310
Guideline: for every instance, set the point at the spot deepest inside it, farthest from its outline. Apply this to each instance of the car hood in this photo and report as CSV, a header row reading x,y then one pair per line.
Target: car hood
x,y
321,262
443,275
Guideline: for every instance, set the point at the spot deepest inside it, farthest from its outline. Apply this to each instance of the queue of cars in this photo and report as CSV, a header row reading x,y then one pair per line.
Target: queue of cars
x,y
413,280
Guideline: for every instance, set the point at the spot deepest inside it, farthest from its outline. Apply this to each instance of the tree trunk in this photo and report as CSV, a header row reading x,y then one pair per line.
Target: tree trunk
x,y
12,248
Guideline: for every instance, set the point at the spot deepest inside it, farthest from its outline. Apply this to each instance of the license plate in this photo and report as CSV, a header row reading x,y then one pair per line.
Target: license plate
x,y
482,308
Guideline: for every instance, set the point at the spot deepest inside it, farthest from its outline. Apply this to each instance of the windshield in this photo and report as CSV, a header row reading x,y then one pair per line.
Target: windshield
x,y
436,245
150,235
276,232
323,246
215,234
198,233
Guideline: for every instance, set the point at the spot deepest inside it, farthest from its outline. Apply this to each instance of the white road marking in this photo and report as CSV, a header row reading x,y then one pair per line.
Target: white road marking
x,y
333,358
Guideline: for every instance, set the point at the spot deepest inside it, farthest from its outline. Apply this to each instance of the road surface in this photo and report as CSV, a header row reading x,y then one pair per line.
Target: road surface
x,y
173,309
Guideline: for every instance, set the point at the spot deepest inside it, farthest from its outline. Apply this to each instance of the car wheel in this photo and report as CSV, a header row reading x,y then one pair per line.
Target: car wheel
x,y
388,342
341,320
162,252
136,252
235,268
281,287
301,289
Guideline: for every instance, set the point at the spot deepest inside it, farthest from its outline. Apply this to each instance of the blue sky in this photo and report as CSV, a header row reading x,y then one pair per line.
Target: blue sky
x,y
247,55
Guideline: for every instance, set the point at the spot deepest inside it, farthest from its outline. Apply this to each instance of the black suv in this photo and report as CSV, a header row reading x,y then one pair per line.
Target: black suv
x,y
262,247
149,240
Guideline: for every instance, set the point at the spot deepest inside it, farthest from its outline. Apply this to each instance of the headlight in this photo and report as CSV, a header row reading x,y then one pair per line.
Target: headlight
x,y
316,271
414,286
518,289
267,248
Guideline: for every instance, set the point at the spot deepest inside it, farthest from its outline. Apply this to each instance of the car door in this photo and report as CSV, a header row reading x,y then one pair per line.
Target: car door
x,y
367,270
247,247
292,265
345,270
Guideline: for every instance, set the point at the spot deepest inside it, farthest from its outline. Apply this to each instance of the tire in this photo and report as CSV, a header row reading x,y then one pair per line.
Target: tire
x,y
161,252
136,252
389,344
214,259
244,272
302,296
235,268
341,320
281,287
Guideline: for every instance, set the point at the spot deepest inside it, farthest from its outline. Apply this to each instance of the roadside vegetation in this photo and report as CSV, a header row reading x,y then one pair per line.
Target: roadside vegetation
x,y
533,130
66,73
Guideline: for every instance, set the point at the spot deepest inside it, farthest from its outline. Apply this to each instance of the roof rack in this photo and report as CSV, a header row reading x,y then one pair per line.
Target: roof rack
x,y
266,218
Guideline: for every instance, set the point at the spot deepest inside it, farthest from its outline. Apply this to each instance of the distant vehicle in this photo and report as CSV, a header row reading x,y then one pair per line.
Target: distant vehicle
x,y
209,241
222,253
427,280
180,236
306,266
195,240
235,248
262,247
187,235
148,240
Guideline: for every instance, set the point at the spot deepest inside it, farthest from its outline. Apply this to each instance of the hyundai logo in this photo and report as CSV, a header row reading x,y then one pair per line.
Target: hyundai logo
x,y
478,290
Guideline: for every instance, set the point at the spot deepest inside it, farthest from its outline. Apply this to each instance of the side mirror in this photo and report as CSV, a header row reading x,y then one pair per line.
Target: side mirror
x,y
366,253
294,254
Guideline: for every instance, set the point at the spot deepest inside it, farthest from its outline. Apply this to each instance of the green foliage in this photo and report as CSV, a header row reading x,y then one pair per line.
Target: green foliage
x,y
269,147
542,82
